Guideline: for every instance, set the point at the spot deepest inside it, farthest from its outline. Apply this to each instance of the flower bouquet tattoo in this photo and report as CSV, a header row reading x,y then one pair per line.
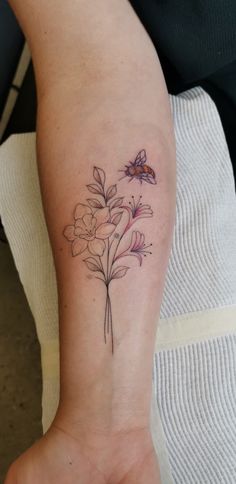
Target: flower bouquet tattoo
x,y
103,230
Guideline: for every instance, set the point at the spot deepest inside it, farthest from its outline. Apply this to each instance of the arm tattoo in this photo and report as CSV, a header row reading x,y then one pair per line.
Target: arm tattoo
x,y
139,170
103,230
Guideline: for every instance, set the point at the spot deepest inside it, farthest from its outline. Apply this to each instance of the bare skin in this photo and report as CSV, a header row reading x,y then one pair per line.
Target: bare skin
x,y
101,100
58,456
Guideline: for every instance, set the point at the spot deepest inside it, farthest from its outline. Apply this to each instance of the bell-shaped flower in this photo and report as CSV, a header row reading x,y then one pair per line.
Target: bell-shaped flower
x,y
136,247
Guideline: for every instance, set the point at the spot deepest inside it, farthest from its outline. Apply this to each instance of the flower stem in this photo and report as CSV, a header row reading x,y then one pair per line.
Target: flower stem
x,y
105,321
111,323
108,324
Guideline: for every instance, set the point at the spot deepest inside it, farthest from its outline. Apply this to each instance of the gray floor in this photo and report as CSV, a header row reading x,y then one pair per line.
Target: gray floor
x,y
20,374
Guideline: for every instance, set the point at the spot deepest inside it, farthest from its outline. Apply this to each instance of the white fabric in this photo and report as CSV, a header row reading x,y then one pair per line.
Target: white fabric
x,y
202,266
195,391
198,312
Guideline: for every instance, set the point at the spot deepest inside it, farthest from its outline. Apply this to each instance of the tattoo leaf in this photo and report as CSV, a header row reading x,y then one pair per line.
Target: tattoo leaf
x,y
111,192
117,202
119,272
92,264
99,175
93,188
94,203
116,218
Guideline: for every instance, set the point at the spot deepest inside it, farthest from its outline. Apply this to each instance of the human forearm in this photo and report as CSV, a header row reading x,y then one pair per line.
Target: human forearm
x,y
70,145
101,100
98,106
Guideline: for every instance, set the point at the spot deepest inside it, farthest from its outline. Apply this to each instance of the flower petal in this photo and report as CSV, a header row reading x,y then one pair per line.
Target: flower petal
x,y
79,231
139,257
88,221
102,215
81,210
116,218
69,232
138,240
142,241
144,210
96,247
105,230
86,236
80,227
78,246
134,240
146,206
79,222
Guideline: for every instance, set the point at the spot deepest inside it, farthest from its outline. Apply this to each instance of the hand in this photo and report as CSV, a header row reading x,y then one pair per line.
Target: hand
x,y
58,457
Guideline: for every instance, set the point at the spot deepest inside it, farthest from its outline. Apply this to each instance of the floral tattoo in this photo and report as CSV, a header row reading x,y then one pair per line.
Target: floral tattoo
x,y
103,230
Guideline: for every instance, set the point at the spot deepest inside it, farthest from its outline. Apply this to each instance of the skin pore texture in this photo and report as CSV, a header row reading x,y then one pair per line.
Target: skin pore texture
x,y
106,162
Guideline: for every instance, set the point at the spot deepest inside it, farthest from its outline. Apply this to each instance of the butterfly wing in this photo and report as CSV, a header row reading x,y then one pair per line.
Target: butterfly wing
x,y
141,158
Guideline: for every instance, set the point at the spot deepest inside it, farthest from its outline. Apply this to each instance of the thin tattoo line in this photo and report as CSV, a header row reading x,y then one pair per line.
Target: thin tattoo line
x,y
105,321
99,227
108,311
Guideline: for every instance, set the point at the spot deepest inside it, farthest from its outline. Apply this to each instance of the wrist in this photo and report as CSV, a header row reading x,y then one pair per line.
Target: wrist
x,y
76,420
126,456
103,443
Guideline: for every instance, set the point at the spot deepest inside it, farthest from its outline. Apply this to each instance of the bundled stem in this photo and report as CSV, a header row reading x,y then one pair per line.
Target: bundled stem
x,y
108,324
94,230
